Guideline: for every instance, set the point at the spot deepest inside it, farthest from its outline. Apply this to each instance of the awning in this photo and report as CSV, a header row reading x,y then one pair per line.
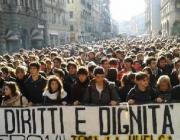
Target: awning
x,y
9,33
34,32
13,38
38,37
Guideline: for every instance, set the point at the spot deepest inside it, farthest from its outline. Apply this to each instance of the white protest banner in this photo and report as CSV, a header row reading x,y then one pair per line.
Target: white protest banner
x,y
123,122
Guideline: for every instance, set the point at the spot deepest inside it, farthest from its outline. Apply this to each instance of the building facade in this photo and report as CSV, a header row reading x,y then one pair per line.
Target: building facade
x,y
137,24
80,19
89,20
105,19
170,17
57,22
22,24
152,17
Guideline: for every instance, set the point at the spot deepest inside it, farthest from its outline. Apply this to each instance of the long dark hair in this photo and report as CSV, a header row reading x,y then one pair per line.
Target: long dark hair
x,y
51,79
13,87
60,85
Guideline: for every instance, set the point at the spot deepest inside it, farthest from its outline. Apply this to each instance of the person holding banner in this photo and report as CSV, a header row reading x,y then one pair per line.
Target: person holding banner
x,y
100,91
35,84
54,93
79,88
142,92
12,96
164,88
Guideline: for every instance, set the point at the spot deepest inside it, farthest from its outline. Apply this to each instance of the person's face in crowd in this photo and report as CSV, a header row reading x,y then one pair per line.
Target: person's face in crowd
x,y
162,63
99,78
34,71
137,66
82,78
144,83
7,91
16,64
140,58
31,59
120,56
83,56
163,86
72,70
4,75
177,66
153,65
20,74
57,64
91,56
127,65
169,61
21,52
54,86
48,65
53,56
105,65
114,66
43,67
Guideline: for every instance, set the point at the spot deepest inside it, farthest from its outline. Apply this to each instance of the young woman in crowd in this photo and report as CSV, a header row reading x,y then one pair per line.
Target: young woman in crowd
x,y
152,79
54,93
12,96
127,83
164,88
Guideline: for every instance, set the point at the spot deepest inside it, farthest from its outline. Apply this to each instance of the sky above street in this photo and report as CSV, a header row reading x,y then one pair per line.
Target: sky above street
x,y
123,10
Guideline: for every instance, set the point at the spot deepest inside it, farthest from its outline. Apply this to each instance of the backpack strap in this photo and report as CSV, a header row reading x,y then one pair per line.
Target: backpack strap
x,y
90,94
21,101
110,90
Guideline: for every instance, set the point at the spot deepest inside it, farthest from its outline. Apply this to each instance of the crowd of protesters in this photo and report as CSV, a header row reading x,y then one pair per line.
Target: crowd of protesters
x,y
109,72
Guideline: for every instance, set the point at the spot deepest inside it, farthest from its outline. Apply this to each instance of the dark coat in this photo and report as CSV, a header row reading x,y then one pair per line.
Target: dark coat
x,y
34,89
20,83
93,97
140,97
165,71
1,86
78,90
174,78
123,93
68,83
176,93
166,96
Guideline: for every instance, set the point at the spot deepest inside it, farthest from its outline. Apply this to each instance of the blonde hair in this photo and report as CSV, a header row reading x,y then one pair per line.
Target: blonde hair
x,y
164,78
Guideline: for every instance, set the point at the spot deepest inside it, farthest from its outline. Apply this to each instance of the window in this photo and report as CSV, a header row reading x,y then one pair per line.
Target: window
x,y
54,18
71,14
40,4
16,2
26,3
178,4
35,6
4,2
71,28
83,2
22,2
31,4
